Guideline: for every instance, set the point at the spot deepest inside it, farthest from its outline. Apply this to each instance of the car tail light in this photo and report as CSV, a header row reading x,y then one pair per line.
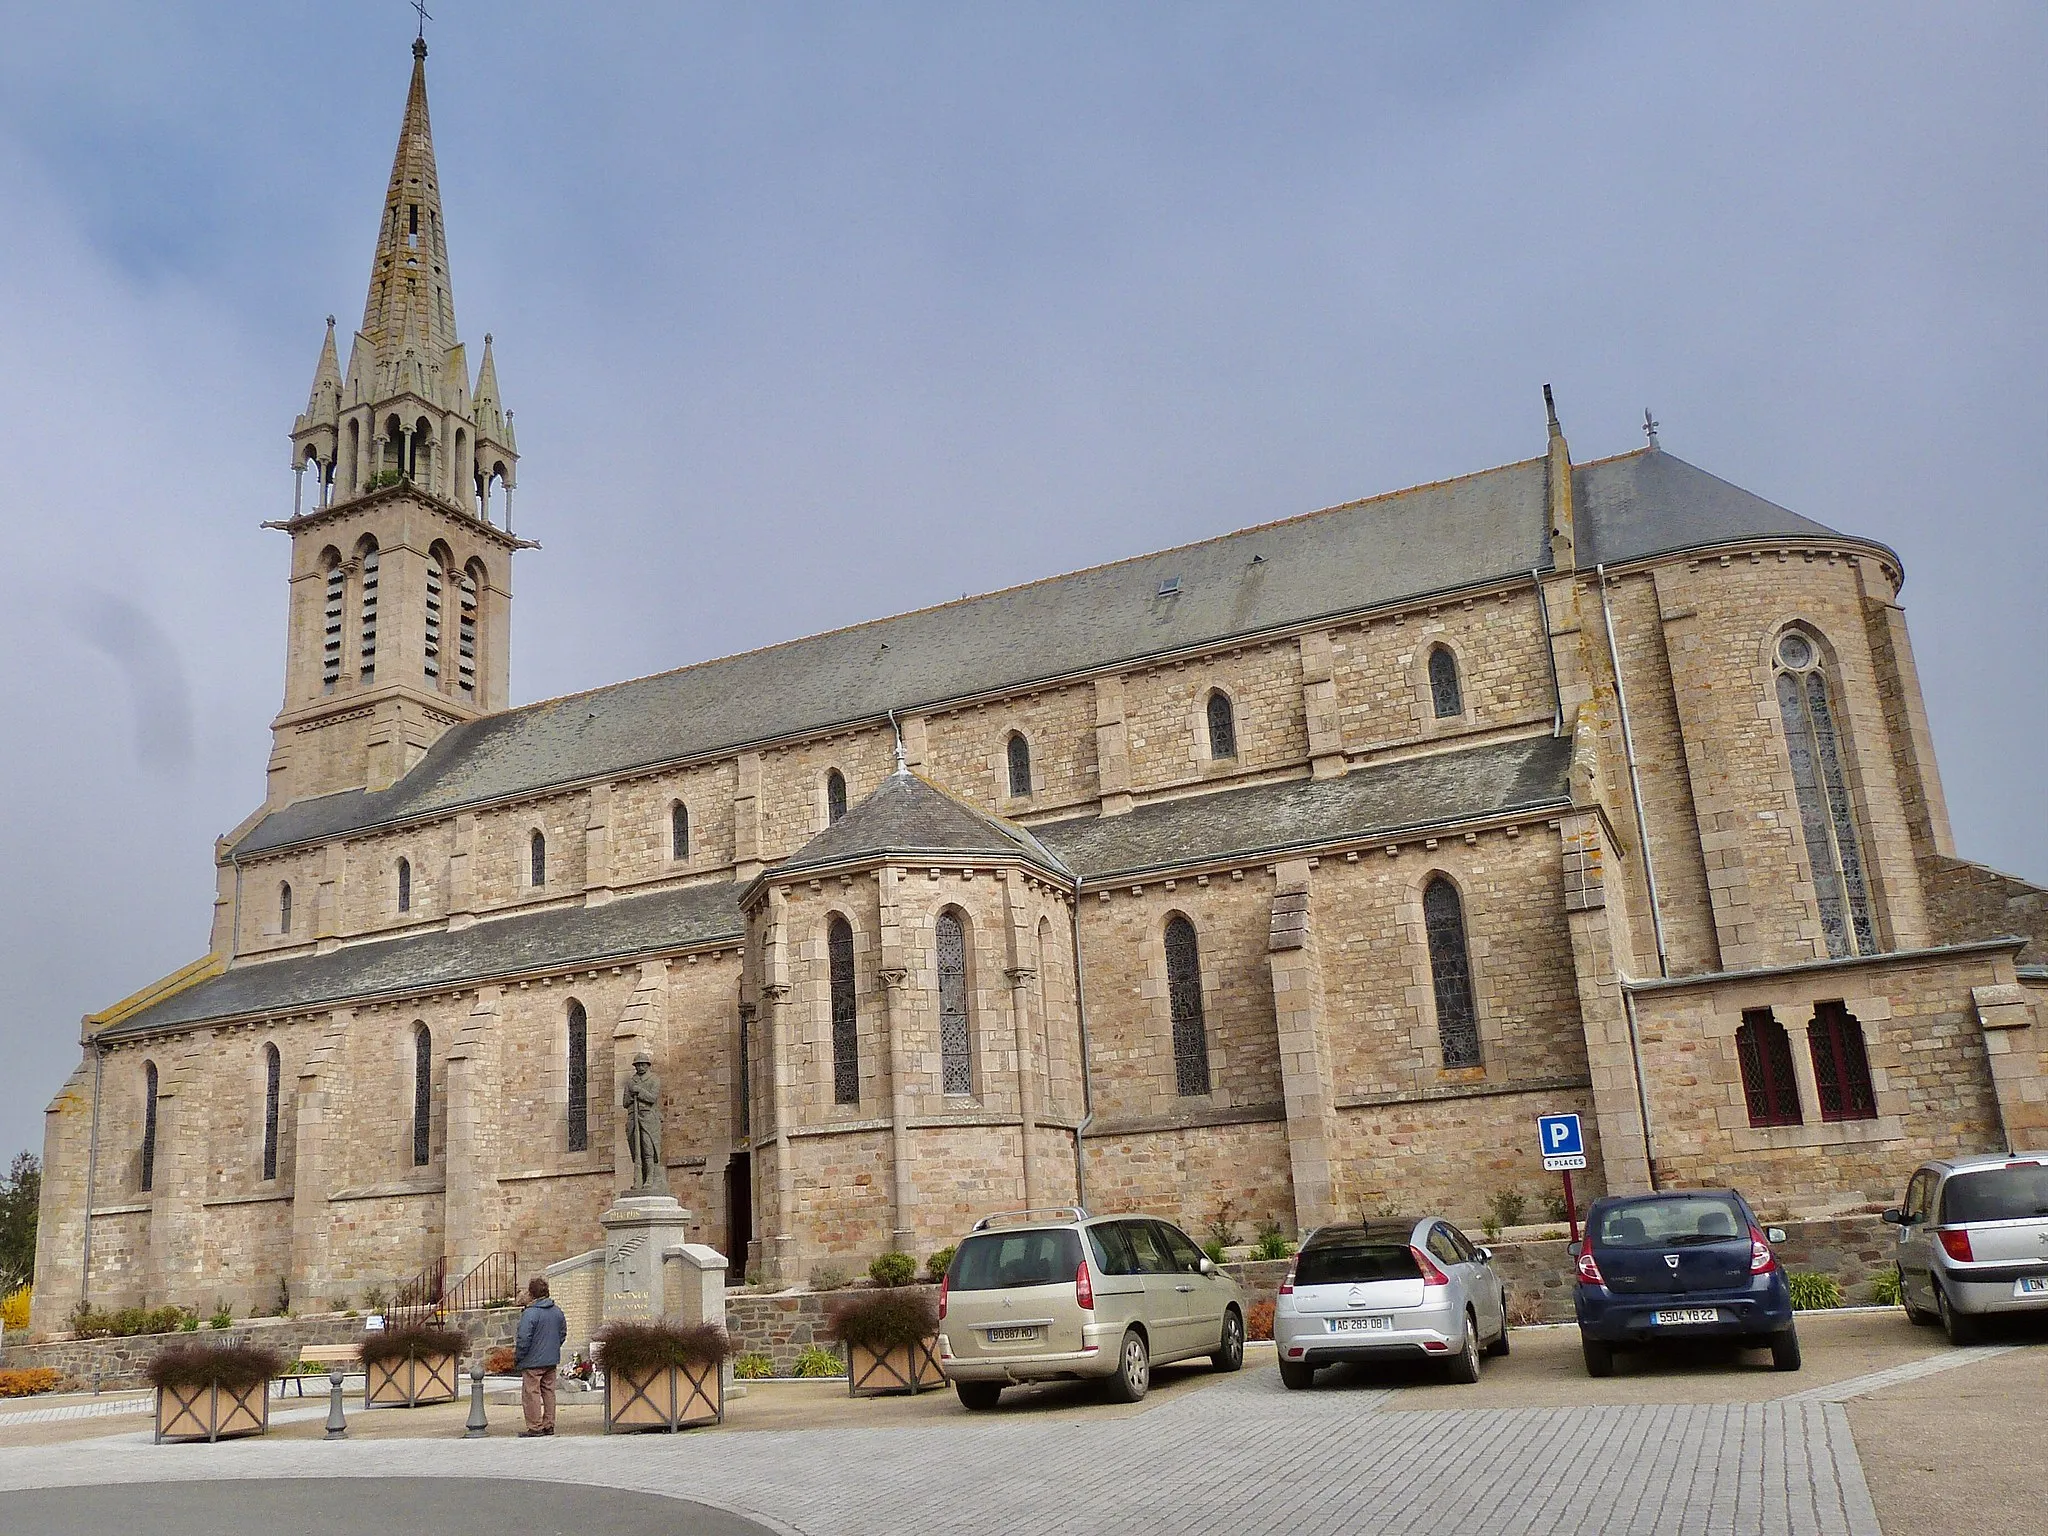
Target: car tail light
x,y
1589,1271
1287,1285
1431,1275
1084,1288
1761,1260
1955,1242
945,1285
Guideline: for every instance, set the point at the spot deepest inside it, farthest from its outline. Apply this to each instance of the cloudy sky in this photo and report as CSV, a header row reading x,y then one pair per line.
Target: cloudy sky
x,y
813,313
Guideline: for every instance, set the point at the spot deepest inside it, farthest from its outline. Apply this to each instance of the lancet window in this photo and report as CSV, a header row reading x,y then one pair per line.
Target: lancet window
x,y
1827,816
835,796
273,1073
1445,695
422,1096
1222,726
579,1078
405,885
1184,1006
1450,966
1019,753
956,1038
679,831
148,1126
845,1023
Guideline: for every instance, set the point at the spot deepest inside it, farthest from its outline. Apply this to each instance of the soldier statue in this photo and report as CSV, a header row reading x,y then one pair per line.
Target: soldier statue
x,y
642,1104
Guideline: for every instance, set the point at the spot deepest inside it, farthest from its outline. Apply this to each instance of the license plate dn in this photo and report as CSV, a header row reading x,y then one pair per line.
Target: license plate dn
x,y
2031,1285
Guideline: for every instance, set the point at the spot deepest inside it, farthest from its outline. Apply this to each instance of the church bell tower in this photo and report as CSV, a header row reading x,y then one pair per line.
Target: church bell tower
x,y
401,526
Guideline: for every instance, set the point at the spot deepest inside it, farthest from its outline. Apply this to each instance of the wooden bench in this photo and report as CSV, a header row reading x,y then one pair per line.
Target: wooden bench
x,y
348,1356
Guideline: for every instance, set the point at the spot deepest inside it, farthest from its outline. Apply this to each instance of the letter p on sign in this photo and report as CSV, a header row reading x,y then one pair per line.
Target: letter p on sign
x,y
1561,1142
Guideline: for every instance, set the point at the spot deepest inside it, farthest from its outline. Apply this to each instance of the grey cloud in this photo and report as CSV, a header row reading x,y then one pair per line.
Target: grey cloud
x,y
130,637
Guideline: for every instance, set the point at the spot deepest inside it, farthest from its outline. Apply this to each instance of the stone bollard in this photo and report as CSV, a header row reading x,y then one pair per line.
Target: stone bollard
x,y
478,1426
337,1424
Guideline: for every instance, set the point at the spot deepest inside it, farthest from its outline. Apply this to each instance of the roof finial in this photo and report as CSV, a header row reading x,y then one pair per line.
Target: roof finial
x,y
1650,428
902,762
1550,410
419,43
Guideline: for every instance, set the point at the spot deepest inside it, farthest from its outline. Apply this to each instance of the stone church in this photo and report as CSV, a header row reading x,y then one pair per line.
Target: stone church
x,y
1298,869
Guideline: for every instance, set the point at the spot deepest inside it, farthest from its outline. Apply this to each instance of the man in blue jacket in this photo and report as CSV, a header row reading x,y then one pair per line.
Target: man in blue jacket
x,y
542,1329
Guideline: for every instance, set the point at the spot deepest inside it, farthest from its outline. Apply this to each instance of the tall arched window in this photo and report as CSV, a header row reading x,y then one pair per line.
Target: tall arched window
x,y
422,1096
405,885
579,1078
538,850
1222,726
956,1039
845,1025
330,619
1184,1004
369,625
284,907
1450,966
465,633
148,1126
273,1074
1445,696
437,582
1841,1068
679,831
1764,1053
835,796
1019,751
1827,817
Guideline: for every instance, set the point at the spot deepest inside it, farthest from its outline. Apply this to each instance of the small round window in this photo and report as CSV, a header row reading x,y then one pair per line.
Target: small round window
x,y
1795,651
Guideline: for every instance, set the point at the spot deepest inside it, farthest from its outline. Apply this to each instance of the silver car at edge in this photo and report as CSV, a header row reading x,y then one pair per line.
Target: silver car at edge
x,y
1391,1287
1973,1240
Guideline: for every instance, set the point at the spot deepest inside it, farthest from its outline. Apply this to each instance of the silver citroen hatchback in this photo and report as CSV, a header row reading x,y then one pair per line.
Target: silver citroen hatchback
x,y
1973,1240
1046,1295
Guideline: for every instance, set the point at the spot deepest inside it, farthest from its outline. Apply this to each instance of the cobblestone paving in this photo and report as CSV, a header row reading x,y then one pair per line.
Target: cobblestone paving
x,y
1240,1455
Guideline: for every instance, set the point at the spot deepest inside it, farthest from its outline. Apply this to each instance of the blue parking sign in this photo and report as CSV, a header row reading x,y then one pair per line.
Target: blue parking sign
x,y
1563,1143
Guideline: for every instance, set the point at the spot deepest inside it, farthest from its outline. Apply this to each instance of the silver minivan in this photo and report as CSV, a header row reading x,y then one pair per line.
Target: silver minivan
x,y
1973,1240
1059,1294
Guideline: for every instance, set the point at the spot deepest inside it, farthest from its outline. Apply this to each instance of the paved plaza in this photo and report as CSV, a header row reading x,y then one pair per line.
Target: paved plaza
x,y
1717,1444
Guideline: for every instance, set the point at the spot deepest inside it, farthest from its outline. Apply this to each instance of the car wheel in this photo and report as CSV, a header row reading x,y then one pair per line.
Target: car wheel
x,y
1230,1355
1914,1315
1465,1364
978,1395
1785,1350
1960,1327
1133,1378
1599,1357
1297,1375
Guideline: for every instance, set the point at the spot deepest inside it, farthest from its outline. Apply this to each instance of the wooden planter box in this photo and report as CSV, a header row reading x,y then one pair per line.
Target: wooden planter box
x,y
906,1368
670,1397
212,1413
411,1380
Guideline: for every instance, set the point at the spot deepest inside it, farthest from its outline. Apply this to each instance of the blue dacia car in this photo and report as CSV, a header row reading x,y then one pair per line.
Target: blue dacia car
x,y
1681,1264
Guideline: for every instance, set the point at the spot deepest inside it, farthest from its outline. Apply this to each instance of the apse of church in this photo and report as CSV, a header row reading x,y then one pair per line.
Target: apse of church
x,y
1296,870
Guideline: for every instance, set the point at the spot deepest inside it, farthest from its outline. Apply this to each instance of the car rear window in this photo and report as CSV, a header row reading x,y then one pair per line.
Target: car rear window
x,y
1356,1263
1000,1261
1670,1221
2012,1193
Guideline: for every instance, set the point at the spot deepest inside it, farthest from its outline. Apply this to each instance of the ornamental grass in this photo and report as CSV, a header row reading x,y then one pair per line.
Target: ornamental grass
x,y
234,1366
884,1320
637,1348
416,1343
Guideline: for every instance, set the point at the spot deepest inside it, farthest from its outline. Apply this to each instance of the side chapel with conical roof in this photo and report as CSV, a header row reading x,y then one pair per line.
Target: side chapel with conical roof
x,y
1293,872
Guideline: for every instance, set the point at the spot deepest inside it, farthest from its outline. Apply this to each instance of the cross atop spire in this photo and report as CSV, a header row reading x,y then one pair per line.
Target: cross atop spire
x,y
419,49
411,304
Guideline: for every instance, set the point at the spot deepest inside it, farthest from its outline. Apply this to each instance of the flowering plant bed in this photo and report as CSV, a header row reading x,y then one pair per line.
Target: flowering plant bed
x,y
891,1342
406,1367
662,1375
204,1393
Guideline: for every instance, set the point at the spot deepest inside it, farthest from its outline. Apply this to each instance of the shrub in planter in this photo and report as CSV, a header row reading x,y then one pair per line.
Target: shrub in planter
x,y
893,1269
662,1375
891,1341
405,1367
27,1382
936,1266
204,1393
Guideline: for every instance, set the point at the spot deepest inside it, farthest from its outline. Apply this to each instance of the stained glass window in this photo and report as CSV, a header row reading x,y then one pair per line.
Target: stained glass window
x,y
956,1065
1184,1003
539,850
1450,965
405,885
679,831
1764,1052
284,908
1020,767
1222,727
579,1078
1827,817
1444,692
273,1072
422,1096
845,1023
148,1126
835,796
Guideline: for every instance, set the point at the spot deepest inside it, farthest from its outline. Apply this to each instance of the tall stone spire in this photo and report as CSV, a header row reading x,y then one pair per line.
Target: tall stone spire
x,y
411,305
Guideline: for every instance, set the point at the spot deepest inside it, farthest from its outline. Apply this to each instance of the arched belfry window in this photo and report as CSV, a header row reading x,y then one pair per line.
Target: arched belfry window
x,y
537,849
579,1078
331,621
1222,726
1184,1005
845,1024
369,612
1763,1051
284,907
437,593
1450,967
1445,696
956,1037
1827,816
405,885
835,796
1019,754
273,1075
148,1126
679,831
465,632
422,1096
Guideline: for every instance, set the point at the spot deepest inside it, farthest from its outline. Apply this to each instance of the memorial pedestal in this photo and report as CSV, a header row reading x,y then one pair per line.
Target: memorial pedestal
x,y
638,1231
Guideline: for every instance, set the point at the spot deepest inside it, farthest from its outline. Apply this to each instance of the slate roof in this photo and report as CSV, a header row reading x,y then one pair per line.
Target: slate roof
x,y
1434,538
1371,801
508,946
911,815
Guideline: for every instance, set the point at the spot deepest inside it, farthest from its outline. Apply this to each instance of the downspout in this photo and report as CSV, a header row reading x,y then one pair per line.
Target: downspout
x,y
1635,1057
92,1170
1549,655
1635,781
1087,1086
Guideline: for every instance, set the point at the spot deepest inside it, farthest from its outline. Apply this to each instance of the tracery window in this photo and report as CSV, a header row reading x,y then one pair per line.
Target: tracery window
x,y
148,1126
330,652
1019,753
1450,967
956,1040
1184,1005
1841,1067
845,1025
422,1096
538,856
1764,1052
835,796
679,831
1445,696
369,610
405,885
273,1073
579,1078
1222,726
1827,817
284,908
